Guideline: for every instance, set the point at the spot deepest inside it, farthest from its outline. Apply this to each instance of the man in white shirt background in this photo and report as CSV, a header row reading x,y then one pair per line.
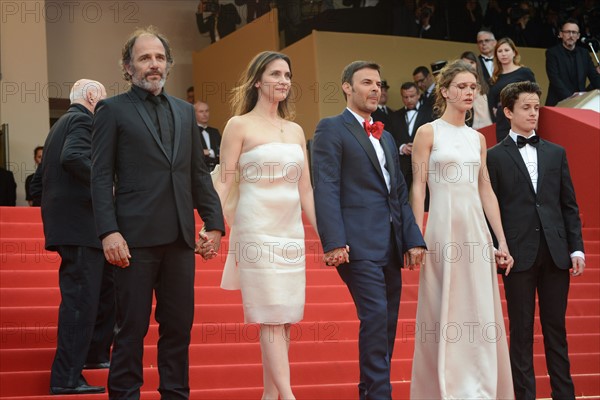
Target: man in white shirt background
x,y
211,138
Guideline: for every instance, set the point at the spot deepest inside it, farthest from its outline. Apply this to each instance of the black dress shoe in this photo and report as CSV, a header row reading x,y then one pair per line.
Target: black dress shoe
x,y
100,365
81,389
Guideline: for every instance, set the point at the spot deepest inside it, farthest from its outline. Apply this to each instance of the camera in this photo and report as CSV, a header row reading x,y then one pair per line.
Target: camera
x,y
211,6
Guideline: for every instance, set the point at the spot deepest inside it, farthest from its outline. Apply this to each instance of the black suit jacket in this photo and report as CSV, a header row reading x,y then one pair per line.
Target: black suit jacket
x,y
552,211
399,130
226,22
563,78
485,73
65,181
215,144
154,195
8,188
379,115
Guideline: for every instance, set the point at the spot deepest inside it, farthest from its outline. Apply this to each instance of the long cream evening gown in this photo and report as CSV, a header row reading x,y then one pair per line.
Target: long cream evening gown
x,y
461,349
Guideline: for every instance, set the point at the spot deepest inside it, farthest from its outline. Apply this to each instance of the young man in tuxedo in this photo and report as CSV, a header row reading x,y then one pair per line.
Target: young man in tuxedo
x,y
540,216
211,138
365,222
148,175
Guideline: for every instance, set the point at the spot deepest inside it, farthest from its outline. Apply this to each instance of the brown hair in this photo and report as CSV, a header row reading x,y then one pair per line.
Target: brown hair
x,y
128,49
445,78
350,70
497,65
511,92
245,94
483,86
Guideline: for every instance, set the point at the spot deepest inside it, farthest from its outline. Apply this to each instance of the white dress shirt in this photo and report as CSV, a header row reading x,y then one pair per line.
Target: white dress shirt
x,y
206,136
378,149
529,154
489,65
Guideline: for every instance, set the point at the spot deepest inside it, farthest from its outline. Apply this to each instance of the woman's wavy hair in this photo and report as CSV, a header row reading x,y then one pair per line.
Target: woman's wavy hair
x,y
445,78
245,94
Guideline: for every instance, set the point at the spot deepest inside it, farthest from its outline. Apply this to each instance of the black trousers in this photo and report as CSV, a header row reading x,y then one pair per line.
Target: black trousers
x,y
168,272
552,286
86,313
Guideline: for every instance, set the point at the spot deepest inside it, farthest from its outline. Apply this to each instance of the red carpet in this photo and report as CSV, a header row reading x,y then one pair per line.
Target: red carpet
x,y
225,356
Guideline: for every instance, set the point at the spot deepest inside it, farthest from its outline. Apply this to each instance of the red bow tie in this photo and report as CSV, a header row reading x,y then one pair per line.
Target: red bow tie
x,y
375,129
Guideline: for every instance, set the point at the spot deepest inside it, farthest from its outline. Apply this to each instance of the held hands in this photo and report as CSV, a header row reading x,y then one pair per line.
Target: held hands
x,y
208,244
414,257
338,256
116,250
503,258
577,266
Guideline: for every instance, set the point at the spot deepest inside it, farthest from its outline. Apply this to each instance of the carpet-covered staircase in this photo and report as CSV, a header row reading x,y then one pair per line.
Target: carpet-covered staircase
x,y
225,354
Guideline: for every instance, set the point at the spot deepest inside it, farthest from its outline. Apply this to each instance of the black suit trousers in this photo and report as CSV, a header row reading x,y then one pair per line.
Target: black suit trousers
x,y
552,286
85,287
375,288
168,271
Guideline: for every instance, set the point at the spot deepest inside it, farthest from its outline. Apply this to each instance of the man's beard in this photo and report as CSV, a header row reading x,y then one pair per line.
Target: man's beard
x,y
144,83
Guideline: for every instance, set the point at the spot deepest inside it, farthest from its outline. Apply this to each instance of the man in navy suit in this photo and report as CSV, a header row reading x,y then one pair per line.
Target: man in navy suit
x,y
365,222
148,175
541,221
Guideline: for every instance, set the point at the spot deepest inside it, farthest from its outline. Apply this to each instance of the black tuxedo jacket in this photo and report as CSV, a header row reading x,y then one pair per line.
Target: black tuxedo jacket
x,y
552,211
215,140
485,73
65,181
226,22
154,195
563,78
379,115
399,130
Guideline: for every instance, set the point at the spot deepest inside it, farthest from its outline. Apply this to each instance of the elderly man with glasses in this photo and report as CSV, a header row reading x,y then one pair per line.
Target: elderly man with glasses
x,y
568,65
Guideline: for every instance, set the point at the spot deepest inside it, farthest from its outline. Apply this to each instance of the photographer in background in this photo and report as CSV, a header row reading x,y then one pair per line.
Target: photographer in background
x,y
429,21
216,19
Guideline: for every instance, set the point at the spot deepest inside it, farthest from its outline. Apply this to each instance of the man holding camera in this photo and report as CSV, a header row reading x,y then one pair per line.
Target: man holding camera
x,y
219,20
568,66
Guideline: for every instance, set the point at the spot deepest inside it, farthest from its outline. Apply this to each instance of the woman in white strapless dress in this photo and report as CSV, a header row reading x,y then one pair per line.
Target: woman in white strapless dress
x,y
461,350
264,169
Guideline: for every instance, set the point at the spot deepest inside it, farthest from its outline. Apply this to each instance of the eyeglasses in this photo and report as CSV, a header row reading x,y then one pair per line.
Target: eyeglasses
x,y
482,41
574,33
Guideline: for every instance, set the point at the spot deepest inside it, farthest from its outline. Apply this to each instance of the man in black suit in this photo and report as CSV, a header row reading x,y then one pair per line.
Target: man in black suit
x,y
148,175
404,125
37,159
486,42
86,315
383,112
540,217
425,81
211,138
216,19
568,66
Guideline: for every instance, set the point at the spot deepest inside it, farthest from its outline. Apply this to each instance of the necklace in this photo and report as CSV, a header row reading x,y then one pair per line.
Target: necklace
x,y
280,127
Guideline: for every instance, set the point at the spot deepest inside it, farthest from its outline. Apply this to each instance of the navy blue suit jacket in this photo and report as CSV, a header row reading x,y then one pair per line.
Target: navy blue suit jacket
x,y
352,201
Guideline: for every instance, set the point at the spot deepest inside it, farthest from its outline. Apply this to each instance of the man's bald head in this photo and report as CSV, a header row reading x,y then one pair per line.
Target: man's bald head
x,y
87,93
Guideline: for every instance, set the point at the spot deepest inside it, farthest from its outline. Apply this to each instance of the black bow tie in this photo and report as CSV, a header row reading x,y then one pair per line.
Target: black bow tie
x,y
533,140
487,59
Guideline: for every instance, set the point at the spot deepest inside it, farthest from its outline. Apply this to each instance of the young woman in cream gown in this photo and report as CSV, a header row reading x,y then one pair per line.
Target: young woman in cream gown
x,y
461,350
